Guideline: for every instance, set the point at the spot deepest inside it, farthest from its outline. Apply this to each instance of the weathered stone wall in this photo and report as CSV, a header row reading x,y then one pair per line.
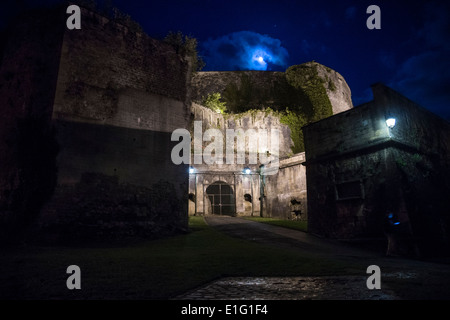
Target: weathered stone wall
x,y
114,98
114,113
337,89
285,192
359,170
365,126
232,174
270,89
99,80
204,83
251,120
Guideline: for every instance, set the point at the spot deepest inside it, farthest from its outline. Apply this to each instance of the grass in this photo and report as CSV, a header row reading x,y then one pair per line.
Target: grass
x,y
158,269
291,224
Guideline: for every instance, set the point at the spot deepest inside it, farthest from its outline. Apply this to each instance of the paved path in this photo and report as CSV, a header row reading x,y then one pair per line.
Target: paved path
x,y
289,288
284,237
418,279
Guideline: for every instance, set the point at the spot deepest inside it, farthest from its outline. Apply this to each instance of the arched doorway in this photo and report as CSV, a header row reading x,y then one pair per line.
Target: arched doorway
x,y
221,196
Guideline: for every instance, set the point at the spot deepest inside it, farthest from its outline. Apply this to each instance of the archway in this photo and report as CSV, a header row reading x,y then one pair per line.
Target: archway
x,y
222,199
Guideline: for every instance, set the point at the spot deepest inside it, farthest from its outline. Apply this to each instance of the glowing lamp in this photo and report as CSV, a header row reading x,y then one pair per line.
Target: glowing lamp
x,y
390,122
260,59
191,170
247,170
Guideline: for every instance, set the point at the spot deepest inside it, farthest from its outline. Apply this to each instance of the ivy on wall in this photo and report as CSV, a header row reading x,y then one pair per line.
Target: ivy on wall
x,y
305,77
295,121
298,99
186,45
244,97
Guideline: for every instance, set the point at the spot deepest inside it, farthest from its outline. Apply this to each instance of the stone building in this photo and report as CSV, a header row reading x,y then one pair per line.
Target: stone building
x,y
361,167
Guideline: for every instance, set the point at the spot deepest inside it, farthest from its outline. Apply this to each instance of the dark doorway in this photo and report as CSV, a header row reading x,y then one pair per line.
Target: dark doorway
x,y
221,196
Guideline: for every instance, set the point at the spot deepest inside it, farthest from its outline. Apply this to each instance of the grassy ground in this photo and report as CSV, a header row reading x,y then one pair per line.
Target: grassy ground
x,y
291,224
157,269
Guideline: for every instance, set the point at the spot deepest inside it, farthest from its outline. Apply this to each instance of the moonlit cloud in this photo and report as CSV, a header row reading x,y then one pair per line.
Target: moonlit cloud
x,y
244,50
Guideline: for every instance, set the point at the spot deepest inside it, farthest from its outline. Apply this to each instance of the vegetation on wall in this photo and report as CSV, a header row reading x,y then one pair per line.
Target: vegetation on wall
x,y
295,121
107,9
298,99
214,102
305,77
243,97
183,44
186,45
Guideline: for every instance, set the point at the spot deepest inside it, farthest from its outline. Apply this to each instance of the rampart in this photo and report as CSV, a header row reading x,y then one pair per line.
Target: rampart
x,y
103,101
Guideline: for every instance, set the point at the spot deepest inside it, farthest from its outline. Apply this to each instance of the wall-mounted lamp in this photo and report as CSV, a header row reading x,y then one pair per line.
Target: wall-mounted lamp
x,y
247,170
191,170
390,122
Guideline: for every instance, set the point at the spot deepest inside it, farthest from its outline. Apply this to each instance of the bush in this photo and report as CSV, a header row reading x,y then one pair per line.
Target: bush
x,y
213,102
186,45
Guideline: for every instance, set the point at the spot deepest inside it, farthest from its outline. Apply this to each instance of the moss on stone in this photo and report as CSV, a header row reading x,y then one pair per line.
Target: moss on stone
x,y
298,98
305,77
295,122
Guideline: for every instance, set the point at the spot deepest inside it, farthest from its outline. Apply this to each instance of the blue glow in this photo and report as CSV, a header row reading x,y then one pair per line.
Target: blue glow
x,y
259,59
247,171
244,50
191,170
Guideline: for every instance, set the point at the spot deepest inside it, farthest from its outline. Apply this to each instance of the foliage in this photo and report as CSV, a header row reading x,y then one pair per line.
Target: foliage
x,y
299,98
126,20
306,78
295,121
107,9
213,102
241,98
302,90
186,45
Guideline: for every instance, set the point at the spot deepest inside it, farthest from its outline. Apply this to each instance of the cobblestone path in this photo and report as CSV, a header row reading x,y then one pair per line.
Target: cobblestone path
x,y
289,288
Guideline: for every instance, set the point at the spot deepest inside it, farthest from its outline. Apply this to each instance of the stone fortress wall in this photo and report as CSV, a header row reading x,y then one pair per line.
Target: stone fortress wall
x,y
110,98
282,195
86,133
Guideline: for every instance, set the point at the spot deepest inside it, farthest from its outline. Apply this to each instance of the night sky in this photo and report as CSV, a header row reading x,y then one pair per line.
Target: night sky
x,y
410,53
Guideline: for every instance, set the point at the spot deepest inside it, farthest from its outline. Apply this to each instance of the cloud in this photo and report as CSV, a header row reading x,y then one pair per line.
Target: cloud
x,y
387,59
243,50
423,77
